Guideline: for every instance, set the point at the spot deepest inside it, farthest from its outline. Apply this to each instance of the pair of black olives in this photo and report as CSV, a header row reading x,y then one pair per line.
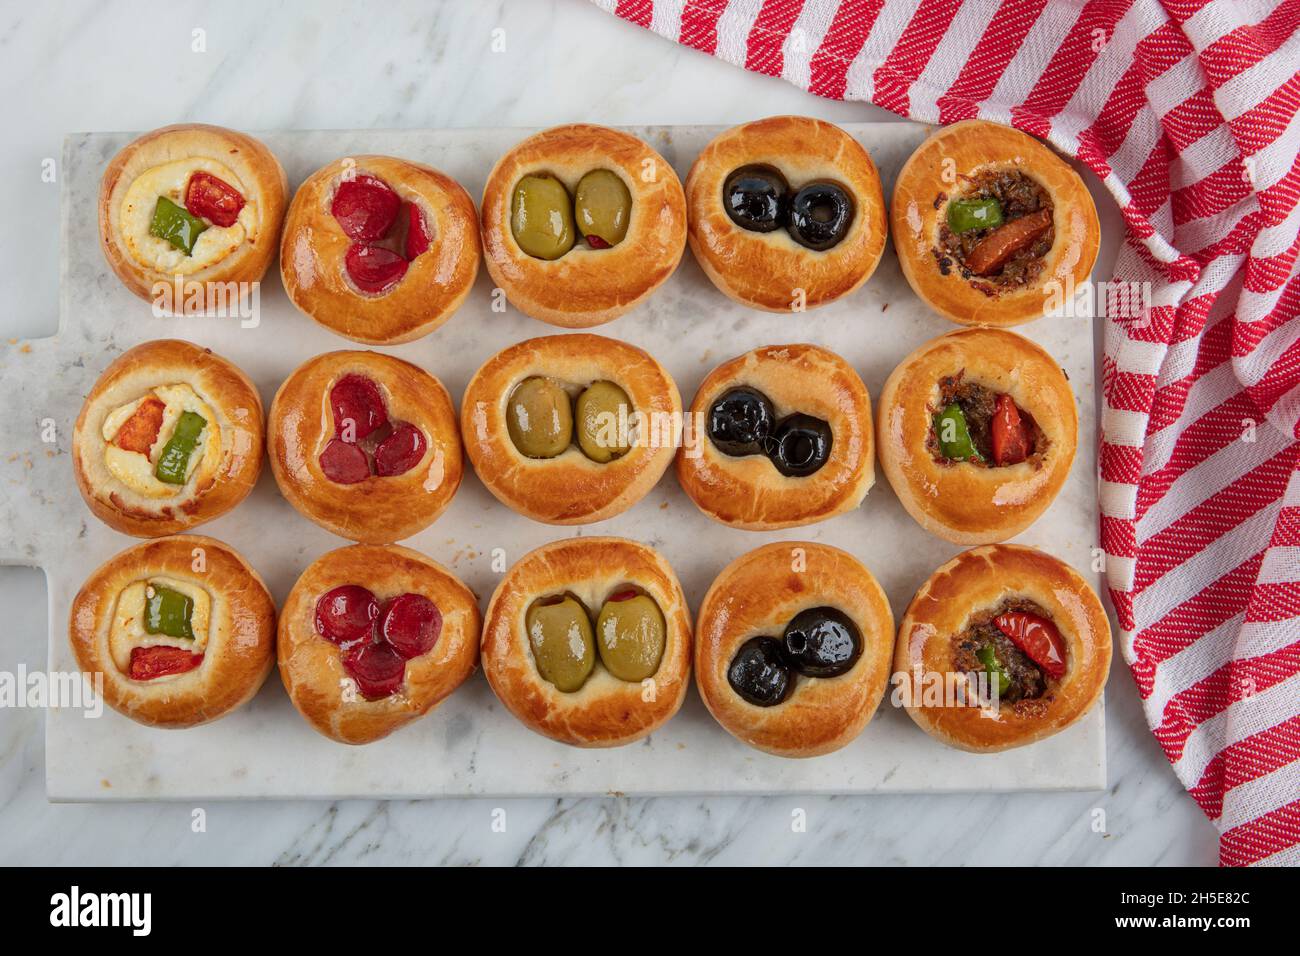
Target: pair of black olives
x,y
817,216
743,422
818,642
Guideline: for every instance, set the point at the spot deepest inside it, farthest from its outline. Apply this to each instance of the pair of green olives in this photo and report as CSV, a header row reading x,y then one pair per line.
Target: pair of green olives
x,y
542,216
629,637
540,414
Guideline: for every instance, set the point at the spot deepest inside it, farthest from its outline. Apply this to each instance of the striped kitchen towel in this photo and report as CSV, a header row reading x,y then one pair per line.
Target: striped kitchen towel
x,y
1187,112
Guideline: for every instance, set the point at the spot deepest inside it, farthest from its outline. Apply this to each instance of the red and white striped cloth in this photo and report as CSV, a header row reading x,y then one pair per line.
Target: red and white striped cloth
x,y
1187,111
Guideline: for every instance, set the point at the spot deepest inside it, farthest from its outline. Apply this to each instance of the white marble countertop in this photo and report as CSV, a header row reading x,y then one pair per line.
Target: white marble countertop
x,y
106,66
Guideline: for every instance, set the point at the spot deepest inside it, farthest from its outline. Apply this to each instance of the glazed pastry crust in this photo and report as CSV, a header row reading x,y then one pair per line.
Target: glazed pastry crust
x,y
259,171
749,492
209,492
961,502
605,711
375,510
436,283
240,645
976,146
757,595
570,488
312,668
586,287
983,578
763,270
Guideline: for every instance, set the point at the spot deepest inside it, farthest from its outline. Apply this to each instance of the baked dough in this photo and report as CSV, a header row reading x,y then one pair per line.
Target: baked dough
x,y
979,581
757,595
570,488
963,502
120,486
605,711
436,282
920,207
312,669
106,626
771,271
375,510
161,164
585,286
748,492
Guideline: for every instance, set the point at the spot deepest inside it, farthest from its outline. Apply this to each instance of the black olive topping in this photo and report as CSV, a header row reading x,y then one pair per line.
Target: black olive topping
x,y
758,672
820,215
741,421
822,642
800,446
756,198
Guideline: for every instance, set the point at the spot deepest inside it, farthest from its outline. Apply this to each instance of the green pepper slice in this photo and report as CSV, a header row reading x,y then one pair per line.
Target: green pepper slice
x,y
175,224
954,436
999,679
966,215
168,612
174,462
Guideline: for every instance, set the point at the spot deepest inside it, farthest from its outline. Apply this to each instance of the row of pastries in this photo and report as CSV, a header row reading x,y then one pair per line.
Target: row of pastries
x,y
580,224
590,640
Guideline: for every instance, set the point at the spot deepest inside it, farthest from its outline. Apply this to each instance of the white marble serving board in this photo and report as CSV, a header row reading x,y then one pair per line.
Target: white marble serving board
x,y
472,745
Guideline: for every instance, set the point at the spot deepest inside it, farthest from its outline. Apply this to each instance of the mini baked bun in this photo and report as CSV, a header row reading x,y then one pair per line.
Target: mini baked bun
x,y
379,250
181,630
978,160
226,186
583,286
365,445
771,270
129,444
615,586
795,383
569,485
373,637
962,500
806,632
956,615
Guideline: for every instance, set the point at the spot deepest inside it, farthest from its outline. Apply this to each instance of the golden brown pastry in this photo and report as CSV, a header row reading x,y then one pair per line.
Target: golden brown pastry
x,y
786,213
191,207
1001,647
794,642
581,223
977,433
373,637
991,226
181,629
365,445
169,437
379,250
782,437
571,429
588,641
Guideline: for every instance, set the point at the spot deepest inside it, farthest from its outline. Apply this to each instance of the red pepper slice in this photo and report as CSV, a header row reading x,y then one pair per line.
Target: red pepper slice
x,y
213,199
374,269
365,208
417,235
1010,437
1037,637
161,661
140,431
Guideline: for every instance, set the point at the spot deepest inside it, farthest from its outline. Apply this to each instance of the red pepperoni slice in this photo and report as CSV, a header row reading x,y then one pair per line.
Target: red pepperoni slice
x,y
356,400
213,199
400,452
376,667
374,269
412,624
417,234
344,463
365,208
161,661
346,614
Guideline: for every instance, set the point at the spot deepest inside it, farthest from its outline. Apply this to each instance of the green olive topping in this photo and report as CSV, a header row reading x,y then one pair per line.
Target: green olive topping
x,y
559,632
539,418
541,217
631,631
602,427
603,206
